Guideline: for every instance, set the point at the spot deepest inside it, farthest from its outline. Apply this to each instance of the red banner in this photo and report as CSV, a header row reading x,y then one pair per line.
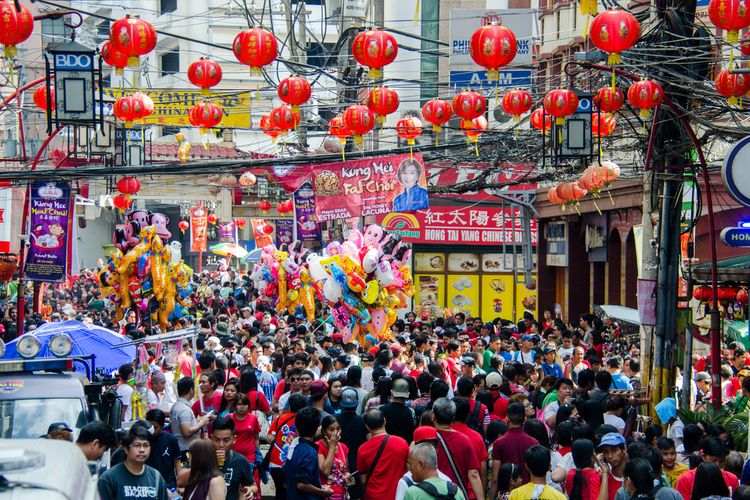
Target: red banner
x,y
474,225
198,228
513,177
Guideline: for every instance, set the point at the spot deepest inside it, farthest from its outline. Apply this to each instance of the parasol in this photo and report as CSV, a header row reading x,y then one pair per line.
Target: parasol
x,y
228,249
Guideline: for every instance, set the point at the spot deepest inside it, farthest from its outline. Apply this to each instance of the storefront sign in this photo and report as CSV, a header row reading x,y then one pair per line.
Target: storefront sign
x,y
304,214
50,221
460,225
198,227
736,236
556,236
464,22
284,232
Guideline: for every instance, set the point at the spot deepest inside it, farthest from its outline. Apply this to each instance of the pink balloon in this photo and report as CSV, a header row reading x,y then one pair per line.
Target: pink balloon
x,y
378,321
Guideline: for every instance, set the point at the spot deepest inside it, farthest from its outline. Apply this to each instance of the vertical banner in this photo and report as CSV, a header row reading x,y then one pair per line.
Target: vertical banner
x,y
198,228
6,205
305,228
261,232
50,221
284,232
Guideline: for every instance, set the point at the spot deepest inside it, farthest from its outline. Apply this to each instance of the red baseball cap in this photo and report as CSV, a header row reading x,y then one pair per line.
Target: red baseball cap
x,y
425,433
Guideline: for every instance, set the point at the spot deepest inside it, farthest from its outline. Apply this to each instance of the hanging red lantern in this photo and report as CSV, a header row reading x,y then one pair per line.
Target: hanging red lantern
x,y
726,293
382,101
211,218
132,36
114,58
205,115
359,120
742,295
128,109
255,47
128,185
375,49
267,229
284,118
409,128
337,129
493,46
539,116
614,31
474,129
281,208
560,103
240,223
703,293
590,181
609,99
40,97
606,173
552,196
516,103
289,205
264,206
645,95
602,124
295,91
204,73
732,85
469,105
438,112
268,128
148,105
183,225
15,26
248,179
122,202
570,192
729,15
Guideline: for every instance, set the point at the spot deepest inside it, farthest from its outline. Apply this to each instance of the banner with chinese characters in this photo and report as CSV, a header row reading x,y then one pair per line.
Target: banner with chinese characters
x,y
50,225
198,228
473,225
284,232
304,214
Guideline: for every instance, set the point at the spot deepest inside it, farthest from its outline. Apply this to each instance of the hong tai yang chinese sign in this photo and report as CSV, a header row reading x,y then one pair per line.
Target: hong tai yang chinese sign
x,y
50,222
450,224
369,186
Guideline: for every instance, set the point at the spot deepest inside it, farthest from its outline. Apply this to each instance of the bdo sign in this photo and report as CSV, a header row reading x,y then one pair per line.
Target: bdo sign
x,y
73,62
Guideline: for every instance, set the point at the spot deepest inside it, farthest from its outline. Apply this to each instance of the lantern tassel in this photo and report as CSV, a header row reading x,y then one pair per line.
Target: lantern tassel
x,y
597,208
610,198
586,28
576,207
614,80
476,148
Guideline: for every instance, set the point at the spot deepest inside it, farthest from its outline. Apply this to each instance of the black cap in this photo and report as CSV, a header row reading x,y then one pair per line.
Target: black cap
x,y
58,426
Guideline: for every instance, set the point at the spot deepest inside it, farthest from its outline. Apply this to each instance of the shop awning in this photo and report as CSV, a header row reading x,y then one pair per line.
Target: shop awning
x,y
732,269
619,313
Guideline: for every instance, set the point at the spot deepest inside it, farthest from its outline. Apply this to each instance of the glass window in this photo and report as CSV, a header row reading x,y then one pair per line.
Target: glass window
x,y
30,418
166,6
170,62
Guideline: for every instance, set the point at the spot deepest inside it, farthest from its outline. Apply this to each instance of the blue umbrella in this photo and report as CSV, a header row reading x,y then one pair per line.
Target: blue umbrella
x,y
87,339
253,256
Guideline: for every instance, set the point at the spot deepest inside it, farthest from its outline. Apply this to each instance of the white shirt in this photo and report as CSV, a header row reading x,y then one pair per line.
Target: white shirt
x,y
614,421
125,392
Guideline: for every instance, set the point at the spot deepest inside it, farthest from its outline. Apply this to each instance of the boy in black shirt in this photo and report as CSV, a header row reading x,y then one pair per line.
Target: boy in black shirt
x,y
235,467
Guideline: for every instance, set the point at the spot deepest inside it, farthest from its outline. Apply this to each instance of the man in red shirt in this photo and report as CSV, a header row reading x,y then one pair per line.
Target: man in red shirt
x,y
510,447
477,441
457,457
714,450
210,396
381,461
452,359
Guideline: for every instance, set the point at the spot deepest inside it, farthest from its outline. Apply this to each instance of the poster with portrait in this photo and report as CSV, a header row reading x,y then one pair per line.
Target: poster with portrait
x,y
304,214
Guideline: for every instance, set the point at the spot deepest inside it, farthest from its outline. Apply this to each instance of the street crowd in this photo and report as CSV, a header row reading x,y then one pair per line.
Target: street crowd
x,y
447,407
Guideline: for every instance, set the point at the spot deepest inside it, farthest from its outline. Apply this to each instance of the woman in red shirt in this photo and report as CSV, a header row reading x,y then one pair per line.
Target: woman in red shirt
x,y
249,386
584,482
247,432
332,459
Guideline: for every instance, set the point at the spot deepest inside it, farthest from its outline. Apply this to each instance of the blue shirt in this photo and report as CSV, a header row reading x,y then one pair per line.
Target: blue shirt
x,y
414,198
554,369
621,382
302,467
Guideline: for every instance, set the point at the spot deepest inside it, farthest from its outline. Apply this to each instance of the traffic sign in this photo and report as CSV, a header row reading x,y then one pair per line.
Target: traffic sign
x,y
736,236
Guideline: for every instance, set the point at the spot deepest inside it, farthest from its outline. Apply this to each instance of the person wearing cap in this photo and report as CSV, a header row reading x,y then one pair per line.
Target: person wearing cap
x,y
400,419
713,450
60,431
468,367
550,367
612,448
341,364
525,355
423,434
319,397
703,382
353,431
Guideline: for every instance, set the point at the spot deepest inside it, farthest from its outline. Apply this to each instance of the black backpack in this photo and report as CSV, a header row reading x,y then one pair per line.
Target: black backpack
x,y
433,492
473,420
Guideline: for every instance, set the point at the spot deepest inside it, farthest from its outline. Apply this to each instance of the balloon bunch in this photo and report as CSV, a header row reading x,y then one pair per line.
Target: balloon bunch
x,y
364,280
144,272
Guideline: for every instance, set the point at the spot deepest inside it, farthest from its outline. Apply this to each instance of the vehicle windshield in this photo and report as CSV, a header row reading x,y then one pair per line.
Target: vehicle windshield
x,y
30,418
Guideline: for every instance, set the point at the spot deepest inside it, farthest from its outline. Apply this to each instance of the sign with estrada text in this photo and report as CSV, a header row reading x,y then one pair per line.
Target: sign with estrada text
x,y
50,224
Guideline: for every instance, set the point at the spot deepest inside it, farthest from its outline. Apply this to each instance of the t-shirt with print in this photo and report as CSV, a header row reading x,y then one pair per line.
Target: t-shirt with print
x,y
530,490
237,473
284,428
245,431
118,483
383,481
164,451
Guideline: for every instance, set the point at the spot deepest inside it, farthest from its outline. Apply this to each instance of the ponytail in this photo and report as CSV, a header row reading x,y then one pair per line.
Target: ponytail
x,y
576,493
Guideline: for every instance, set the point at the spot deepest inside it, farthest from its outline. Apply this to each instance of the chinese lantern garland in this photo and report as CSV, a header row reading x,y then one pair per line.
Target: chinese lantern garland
x,y
132,36
468,105
114,58
294,91
375,49
645,95
409,128
16,26
205,115
516,103
609,99
255,47
473,129
204,73
382,101
732,86
340,131
438,112
493,46
541,121
183,225
359,120
560,103
40,98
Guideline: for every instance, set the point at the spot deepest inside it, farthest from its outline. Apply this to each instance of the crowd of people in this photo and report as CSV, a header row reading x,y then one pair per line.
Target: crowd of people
x,y
449,407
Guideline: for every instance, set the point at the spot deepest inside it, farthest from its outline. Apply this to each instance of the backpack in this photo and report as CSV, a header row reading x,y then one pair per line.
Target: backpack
x,y
473,419
431,490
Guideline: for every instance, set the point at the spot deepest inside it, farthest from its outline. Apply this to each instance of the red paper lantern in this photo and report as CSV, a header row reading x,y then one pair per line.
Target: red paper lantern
x,y
128,109
240,223
409,128
114,57
382,101
703,293
375,49
602,124
570,192
40,98
268,128
284,118
295,91
122,202
281,208
560,103
264,206
493,46
516,103
15,26
539,116
128,185
248,179
729,15
183,225
211,218
204,73
193,116
359,120
609,99
474,129
255,47
337,129
289,205
745,46
148,105
590,181
553,198
645,95
132,36
469,105
726,293
732,85
742,296
206,115
607,172
267,229
438,112
614,31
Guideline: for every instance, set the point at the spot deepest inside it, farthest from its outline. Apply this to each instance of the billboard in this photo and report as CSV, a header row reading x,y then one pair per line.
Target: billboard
x,y
464,22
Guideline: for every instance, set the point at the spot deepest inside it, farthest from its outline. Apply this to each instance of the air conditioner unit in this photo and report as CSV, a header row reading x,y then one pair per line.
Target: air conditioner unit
x,y
105,201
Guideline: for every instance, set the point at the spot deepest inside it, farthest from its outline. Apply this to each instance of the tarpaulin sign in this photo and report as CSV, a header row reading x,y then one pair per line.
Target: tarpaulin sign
x,y
304,214
284,232
50,221
369,186
198,228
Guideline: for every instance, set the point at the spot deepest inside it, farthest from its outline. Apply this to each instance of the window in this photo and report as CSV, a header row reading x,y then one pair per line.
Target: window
x,y
166,6
55,31
170,62
558,18
574,11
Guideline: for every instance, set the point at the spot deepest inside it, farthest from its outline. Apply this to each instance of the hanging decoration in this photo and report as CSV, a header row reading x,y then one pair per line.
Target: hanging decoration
x,y
205,115
409,128
148,105
560,103
337,129
294,91
571,194
438,112
359,120
204,73
240,223
114,58
183,225
726,293
183,151
609,99
587,8
264,206
132,36
284,118
473,130
541,120
382,101
248,179
493,46
614,31
731,16
553,198
703,293
122,202
469,105
602,124
743,296
16,26
255,47
285,207
128,185
269,129
40,98
645,95
732,86
375,49
516,103
212,219
128,108
745,45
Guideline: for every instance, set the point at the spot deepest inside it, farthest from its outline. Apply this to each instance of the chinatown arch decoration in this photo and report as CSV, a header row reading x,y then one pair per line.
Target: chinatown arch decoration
x,y
516,103
255,47
132,36
645,95
364,280
382,101
204,73
731,85
114,58
493,46
294,91
438,112
375,49
16,26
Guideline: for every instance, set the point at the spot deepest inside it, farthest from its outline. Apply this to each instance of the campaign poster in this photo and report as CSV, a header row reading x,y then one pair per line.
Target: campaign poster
x,y
284,232
198,228
370,186
50,223
304,214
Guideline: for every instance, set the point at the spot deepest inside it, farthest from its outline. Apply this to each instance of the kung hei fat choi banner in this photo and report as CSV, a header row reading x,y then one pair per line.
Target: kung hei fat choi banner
x,y
50,218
